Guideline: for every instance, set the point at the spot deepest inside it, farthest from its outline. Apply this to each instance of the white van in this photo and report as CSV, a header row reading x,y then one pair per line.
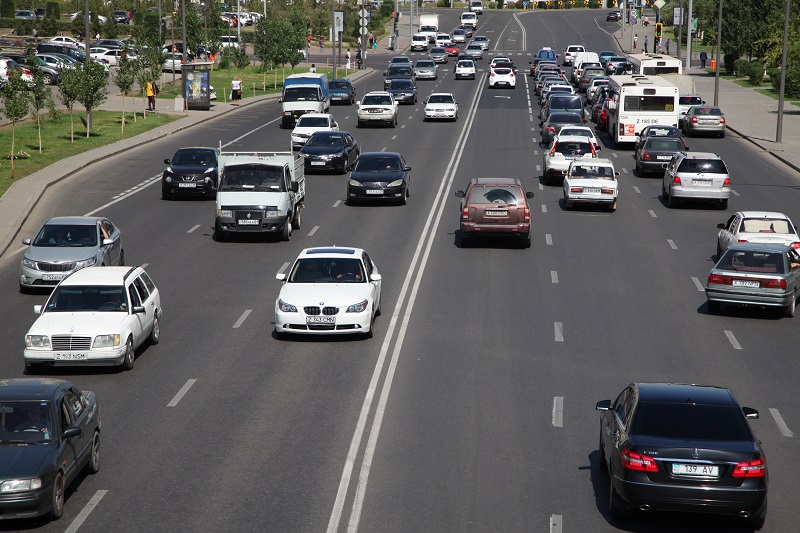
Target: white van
x,y
468,18
229,41
579,58
476,6
419,41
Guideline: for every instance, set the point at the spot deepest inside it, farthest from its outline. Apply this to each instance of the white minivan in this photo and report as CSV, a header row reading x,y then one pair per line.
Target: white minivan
x,y
419,41
468,18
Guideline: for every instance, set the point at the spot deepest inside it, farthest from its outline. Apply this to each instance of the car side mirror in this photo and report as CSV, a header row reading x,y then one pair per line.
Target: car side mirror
x,y
460,194
749,412
349,168
598,148
721,225
37,309
529,194
138,310
166,161
375,277
407,168
108,242
26,240
280,100
686,147
280,276
294,187
70,432
385,72
603,405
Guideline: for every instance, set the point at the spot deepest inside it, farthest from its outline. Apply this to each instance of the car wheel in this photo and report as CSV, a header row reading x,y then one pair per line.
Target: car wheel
x,y
93,466
219,234
463,240
403,199
57,497
48,79
297,220
33,368
155,334
526,241
612,206
122,258
567,204
788,311
130,355
164,193
723,204
616,507
286,234
358,124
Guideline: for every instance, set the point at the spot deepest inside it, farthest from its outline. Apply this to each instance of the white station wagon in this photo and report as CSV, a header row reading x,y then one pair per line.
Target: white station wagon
x,y
95,317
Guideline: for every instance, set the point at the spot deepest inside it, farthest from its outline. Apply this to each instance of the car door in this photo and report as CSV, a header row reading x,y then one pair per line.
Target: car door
x,y
79,411
333,124
371,269
148,302
793,264
728,235
137,320
351,148
115,235
70,447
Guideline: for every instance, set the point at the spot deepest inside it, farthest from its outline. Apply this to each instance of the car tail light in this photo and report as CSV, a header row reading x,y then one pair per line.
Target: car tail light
x,y
636,461
755,468
621,129
526,215
608,191
694,120
576,189
796,245
492,75
645,156
551,129
512,74
727,182
716,279
676,180
465,213
742,240
774,284
722,120
181,61
553,151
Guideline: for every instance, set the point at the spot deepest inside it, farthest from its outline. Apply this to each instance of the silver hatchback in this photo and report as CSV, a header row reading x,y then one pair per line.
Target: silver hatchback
x,y
66,244
696,176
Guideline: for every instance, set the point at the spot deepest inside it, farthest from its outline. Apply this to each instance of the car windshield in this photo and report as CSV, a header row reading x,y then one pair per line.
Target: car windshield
x,y
378,99
474,47
576,131
253,177
592,172
312,122
25,422
327,270
707,166
77,298
690,100
667,145
427,63
752,261
200,158
300,94
496,194
663,132
325,140
378,164
766,225
339,85
399,71
438,50
690,421
67,235
465,64
441,99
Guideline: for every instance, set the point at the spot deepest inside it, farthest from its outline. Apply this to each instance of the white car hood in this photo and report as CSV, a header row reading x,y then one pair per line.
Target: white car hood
x,y
79,323
327,294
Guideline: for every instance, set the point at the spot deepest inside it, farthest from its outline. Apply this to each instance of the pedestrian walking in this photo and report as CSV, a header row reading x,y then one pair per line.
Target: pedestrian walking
x,y
236,90
347,56
371,39
358,58
150,92
645,44
635,40
321,45
667,46
359,41
35,35
703,58
97,38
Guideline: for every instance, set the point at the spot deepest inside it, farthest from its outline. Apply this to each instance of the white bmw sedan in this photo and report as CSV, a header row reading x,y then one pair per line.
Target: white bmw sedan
x,y
329,290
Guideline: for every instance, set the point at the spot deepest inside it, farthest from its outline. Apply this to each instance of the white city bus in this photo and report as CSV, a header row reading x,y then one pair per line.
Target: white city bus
x,y
637,102
654,64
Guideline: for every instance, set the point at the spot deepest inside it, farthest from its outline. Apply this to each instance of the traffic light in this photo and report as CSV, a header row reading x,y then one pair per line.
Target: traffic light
x,y
659,29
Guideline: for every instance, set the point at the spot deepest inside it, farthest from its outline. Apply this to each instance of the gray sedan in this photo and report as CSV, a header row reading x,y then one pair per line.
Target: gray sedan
x,y
755,274
653,156
426,69
704,119
558,120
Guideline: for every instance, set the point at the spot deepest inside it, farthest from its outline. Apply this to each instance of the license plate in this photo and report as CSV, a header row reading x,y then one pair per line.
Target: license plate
x,y
69,356
320,320
695,470
53,277
374,191
702,183
317,163
188,185
375,111
743,283
496,213
249,222
664,157
591,190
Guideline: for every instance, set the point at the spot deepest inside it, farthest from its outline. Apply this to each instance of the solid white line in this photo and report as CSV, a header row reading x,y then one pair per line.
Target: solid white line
x,y
554,276
652,213
784,429
428,232
672,244
732,339
541,187
734,192
635,188
242,318
313,231
548,239
283,267
337,203
193,228
544,208
181,393
558,411
697,284
556,519
84,514
559,328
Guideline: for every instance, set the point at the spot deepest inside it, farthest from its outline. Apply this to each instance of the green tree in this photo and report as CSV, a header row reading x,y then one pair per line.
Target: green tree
x,y
16,104
194,28
93,90
7,9
52,10
110,29
297,38
321,19
41,98
68,89
271,43
124,78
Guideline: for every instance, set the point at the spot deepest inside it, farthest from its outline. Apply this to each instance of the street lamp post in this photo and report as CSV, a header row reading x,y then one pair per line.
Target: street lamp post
x,y
719,49
689,36
779,131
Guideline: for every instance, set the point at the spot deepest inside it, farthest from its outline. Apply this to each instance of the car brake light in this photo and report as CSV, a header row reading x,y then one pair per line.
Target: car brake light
x,y
526,215
608,191
645,156
636,461
742,240
727,182
576,189
716,279
722,120
755,468
795,245
553,151
492,74
465,213
774,284
676,180
551,129
694,119
621,129
512,74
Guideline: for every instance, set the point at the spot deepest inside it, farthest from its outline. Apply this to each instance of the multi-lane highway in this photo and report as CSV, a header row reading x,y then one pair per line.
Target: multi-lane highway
x,y
472,408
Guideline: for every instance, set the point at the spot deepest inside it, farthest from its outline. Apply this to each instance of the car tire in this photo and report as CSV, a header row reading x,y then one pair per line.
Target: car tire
x,y
93,466
33,368
722,135
298,219
164,193
723,205
713,307
48,78
286,233
567,204
612,206
403,199
219,234
369,334
788,311
130,355
155,333
463,240
616,507
122,257
359,124
57,497
672,202
526,241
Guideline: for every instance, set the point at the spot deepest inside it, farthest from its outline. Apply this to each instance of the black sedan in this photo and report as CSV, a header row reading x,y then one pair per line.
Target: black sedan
x,y
49,433
404,91
556,121
613,16
674,447
654,155
342,91
656,131
383,176
330,150
191,171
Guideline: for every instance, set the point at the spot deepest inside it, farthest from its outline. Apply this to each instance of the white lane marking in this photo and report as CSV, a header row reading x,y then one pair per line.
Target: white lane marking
x,y
535,152
286,264
558,411
544,208
242,318
635,188
313,231
733,191
554,276
193,228
538,168
732,339
393,136
181,393
784,429
401,127
624,170
541,187
612,153
382,149
548,239
555,523
672,244
697,284
428,233
143,265
652,213
84,514
559,329
336,204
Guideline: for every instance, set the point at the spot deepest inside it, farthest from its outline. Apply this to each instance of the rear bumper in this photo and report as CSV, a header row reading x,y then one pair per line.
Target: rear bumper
x,y
470,228
653,166
730,296
698,193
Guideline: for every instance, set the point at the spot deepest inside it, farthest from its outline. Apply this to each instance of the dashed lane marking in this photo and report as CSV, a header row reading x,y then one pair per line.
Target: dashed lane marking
x,y
558,411
242,318
283,267
554,276
732,339
544,208
181,393
336,204
672,244
559,329
548,239
635,188
193,228
697,284
313,231
652,213
782,427
555,523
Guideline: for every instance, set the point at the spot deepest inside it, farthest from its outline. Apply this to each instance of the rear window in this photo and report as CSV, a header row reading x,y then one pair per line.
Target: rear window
x,y
573,147
494,194
503,71
688,421
668,145
592,171
766,225
707,166
566,118
708,111
566,102
690,100
752,261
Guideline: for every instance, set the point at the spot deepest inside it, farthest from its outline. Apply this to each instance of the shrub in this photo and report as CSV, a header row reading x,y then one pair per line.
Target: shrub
x,y
740,67
792,89
23,27
755,73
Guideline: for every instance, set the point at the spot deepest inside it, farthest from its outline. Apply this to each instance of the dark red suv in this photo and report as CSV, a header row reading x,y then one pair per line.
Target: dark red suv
x,y
495,206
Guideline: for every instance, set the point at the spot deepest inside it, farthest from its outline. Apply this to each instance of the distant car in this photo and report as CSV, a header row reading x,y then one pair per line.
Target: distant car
x,y
467,29
604,55
95,317
594,84
592,181
612,63
481,40
763,227
173,63
465,69
379,176
613,16
494,207
342,90
441,106
191,171
686,102
51,434
330,150
546,54
442,39
677,447
404,61
475,50
25,14
64,245
438,54
112,56
654,155
502,77
398,72
452,49
121,17
62,39
459,35
656,131
426,69
377,106
50,75
696,176
8,66
561,152
704,120
419,42
403,91
309,124
557,120
329,291
499,59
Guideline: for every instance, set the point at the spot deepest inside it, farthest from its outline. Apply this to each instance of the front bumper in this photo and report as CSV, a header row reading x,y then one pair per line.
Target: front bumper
x,y
343,323
196,187
29,277
386,193
96,357
432,114
265,225
25,504
376,117
460,75
322,164
729,295
404,98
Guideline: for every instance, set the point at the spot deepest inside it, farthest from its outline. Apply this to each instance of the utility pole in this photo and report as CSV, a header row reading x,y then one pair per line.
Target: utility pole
x,y
779,132
719,62
689,36
680,26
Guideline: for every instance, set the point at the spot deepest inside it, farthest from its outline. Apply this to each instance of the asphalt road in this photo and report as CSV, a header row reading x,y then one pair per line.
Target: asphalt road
x,y
472,408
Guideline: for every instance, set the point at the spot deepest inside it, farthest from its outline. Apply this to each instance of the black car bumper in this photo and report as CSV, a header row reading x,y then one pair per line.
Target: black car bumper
x,y
312,165
178,187
655,167
341,97
391,194
25,504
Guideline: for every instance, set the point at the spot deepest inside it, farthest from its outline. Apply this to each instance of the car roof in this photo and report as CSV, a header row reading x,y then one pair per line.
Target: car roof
x,y
209,148
102,275
685,393
22,389
378,93
443,94
761,247
76,221
496,181
316,115
762,214
331,251
379,154
701,155
594,162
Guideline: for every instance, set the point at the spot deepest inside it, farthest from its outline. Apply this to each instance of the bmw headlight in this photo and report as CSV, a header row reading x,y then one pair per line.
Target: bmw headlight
x,y
357,308
20,485
86,263
355,183
274,213
224,213
396,183
37,341
286,308
106,341
30,263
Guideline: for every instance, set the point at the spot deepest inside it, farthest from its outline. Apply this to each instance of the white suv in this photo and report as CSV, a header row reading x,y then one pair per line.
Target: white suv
x,y
377,106
696,176
561,152
95,317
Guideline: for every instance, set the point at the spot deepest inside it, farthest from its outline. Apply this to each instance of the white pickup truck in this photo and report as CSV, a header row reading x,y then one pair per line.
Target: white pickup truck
x,y
259,192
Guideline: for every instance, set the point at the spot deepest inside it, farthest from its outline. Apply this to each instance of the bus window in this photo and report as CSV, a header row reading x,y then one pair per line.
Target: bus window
x,y
649,103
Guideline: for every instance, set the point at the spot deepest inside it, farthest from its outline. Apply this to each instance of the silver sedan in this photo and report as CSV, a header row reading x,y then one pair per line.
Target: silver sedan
x,y
705,120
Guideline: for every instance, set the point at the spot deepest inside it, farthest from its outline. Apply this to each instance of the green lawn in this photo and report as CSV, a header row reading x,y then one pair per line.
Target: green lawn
x,y
772,93
56,142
